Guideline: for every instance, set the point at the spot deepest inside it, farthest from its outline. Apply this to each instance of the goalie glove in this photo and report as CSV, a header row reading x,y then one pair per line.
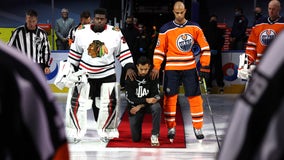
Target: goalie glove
x,y
204,72
245,70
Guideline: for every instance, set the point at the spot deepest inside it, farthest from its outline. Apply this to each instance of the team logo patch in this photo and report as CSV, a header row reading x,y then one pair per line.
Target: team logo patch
x,y
184,42
267,36
37,41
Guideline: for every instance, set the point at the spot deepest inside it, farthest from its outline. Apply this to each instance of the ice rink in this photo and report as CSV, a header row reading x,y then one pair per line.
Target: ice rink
x,y
91,148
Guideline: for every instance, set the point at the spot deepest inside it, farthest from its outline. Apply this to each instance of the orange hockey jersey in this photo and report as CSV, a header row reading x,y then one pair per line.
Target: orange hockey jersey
x,y
262,34
175,43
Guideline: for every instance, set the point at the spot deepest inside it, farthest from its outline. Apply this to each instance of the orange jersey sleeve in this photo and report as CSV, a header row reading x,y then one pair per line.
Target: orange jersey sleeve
x,y
174,46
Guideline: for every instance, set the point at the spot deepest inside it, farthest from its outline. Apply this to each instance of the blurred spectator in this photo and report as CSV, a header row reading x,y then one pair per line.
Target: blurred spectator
x,y
62,27
142,42
85,18
154,38
130,32
32,123
135,22
238,35
257,14
215,38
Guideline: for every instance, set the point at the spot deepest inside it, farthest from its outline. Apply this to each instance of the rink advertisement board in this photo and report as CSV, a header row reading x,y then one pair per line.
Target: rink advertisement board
x,y
230,61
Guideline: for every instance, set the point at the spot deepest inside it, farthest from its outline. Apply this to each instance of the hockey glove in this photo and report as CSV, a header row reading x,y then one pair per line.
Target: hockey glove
x,y
204,72
246,72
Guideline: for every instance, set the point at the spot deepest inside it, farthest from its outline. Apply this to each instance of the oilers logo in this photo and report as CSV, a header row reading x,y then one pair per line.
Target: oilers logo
x,y
267,36
184,42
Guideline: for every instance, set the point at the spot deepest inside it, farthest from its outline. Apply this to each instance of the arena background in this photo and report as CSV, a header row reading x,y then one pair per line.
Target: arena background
x,y
149,12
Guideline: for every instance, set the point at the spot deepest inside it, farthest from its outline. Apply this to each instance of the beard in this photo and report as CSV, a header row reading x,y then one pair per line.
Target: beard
x,y
98,28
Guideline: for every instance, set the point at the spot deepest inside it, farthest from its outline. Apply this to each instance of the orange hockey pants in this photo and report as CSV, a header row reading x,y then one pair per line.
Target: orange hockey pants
x,y
196,110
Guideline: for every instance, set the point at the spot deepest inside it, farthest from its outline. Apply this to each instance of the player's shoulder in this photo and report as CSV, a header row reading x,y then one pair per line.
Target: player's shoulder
x,y
21,27
192,25
167,26
281,20
41,29
261,20
113,29
83,28
116,28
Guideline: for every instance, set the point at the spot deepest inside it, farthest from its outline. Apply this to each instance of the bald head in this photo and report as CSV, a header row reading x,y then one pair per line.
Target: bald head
x,y
179,5
274,8
179,12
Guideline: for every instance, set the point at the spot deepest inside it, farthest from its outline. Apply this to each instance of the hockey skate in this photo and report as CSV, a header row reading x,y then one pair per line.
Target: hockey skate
x,y
77,140
171,134
155,140
104,139
198,133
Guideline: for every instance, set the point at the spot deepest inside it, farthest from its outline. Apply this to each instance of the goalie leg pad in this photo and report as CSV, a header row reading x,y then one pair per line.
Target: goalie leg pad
x,y
109,110
76,111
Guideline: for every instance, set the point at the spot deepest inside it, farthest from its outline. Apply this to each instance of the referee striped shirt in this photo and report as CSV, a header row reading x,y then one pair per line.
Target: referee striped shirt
x,y
33,43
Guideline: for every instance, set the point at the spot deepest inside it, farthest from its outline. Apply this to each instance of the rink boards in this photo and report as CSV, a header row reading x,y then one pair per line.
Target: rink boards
x,y
230,61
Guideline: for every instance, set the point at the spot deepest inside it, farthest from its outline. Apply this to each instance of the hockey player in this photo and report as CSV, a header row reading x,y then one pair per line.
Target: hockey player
x,y
101,69
174,45
142,95
256,127
262,34
85,18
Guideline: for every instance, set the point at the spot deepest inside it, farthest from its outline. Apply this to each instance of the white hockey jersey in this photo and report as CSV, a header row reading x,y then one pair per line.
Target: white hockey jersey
x,y
104,66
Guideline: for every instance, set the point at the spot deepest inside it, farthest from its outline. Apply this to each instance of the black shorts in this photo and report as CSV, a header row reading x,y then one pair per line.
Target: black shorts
x,y
174,78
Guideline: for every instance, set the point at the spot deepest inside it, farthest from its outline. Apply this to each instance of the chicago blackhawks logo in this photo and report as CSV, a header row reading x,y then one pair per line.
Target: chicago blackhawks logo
x,y
97,49
267,36
184,42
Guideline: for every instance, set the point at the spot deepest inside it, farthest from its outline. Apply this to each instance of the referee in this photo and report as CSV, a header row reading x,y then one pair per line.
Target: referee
x,y
32,41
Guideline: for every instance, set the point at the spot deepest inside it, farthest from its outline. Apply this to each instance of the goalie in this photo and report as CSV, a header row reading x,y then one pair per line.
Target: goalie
x,y
96,50
262,35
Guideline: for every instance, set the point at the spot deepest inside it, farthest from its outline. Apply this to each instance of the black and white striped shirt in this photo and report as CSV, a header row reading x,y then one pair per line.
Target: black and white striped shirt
x,y
33,43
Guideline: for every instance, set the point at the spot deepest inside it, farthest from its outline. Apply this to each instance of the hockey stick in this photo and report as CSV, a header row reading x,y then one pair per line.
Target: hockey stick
x,y
211,114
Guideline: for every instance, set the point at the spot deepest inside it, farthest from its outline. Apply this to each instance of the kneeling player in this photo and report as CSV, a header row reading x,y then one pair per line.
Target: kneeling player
x,y
142,95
